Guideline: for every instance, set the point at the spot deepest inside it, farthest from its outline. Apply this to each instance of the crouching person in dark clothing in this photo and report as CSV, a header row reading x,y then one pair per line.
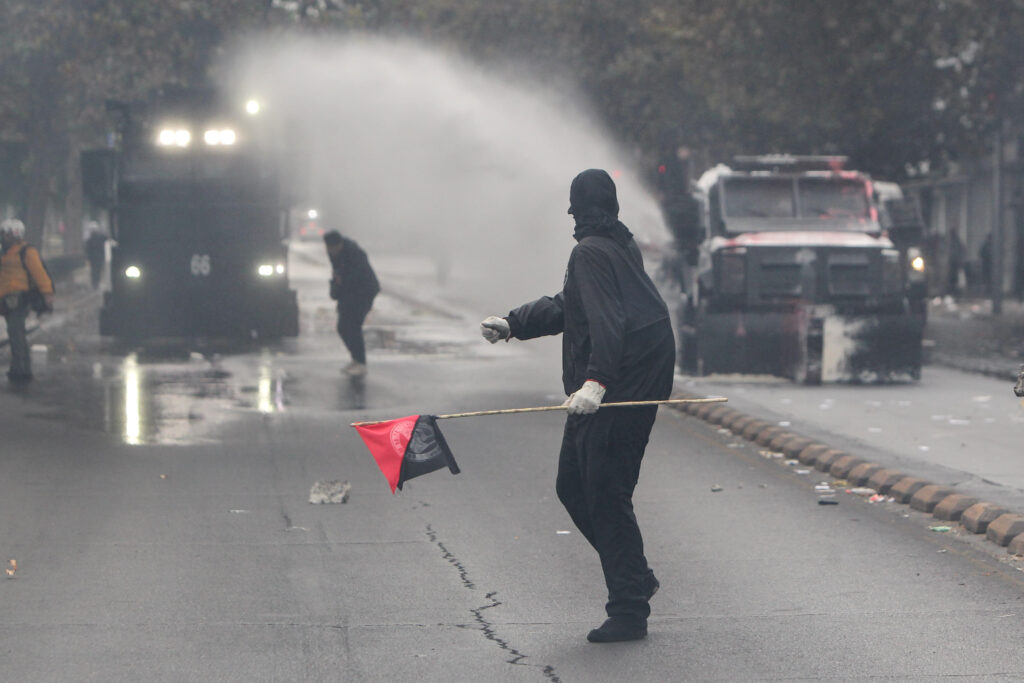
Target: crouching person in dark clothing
x,y
354,286
617,345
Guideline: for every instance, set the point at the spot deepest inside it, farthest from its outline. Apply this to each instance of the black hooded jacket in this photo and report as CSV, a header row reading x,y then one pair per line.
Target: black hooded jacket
x,y
614,324
358,283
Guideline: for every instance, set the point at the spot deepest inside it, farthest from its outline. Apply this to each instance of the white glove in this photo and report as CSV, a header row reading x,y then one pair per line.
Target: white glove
x,y
586,400
494,329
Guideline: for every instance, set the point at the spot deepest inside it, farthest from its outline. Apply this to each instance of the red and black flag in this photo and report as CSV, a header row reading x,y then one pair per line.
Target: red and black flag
x,y
407,447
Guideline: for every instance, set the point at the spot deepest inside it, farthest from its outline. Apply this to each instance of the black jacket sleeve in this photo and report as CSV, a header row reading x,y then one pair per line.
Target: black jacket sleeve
x,y
601,299
543,317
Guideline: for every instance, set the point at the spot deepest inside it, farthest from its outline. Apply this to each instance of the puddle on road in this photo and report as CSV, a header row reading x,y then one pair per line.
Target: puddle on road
x,y
177,397
165,397
166,393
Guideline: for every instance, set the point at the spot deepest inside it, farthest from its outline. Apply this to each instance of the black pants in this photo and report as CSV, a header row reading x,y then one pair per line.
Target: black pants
x,y
95,272
598,468
21,361
351,315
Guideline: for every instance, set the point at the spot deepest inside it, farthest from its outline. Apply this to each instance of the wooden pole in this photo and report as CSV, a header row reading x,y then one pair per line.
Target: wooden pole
x,y
511,411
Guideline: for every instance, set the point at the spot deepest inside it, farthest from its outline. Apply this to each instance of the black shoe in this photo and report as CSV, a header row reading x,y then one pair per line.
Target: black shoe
x,y
651,585
618,629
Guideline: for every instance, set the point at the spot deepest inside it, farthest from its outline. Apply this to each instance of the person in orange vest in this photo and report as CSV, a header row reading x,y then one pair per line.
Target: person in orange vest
x,y
15,273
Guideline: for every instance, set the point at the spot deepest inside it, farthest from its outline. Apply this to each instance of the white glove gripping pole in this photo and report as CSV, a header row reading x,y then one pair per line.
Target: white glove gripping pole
x,y
510,411
587,399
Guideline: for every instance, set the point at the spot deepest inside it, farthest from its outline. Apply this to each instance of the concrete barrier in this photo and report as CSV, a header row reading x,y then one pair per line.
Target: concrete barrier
x,y
860,474
842,467
928,497
825,460
809,455
905,488
765,436
883,480
977,517
951,508
1005,528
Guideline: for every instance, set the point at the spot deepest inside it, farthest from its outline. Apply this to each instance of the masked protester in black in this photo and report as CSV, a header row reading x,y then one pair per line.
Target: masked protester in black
x,y
354,286
617,345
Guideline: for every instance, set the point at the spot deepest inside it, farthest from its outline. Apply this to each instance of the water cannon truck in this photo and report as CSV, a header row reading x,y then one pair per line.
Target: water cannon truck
x,y
793,269
199,220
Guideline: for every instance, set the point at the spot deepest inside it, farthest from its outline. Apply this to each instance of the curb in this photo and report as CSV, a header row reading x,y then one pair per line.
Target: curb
x,y
993,522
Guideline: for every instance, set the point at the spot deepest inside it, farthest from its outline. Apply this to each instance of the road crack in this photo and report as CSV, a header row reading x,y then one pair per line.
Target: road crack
x,y
515,657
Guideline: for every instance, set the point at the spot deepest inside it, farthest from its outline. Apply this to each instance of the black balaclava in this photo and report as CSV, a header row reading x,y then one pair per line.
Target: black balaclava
x,y
594,205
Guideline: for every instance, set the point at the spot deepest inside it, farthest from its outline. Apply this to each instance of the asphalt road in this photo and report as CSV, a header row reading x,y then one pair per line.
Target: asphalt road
x,y
156,503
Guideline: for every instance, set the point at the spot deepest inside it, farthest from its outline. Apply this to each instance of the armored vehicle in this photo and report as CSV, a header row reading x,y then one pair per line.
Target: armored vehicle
x,y
792,273
198,219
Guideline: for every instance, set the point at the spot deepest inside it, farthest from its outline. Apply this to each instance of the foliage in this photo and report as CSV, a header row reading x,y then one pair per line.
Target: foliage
x,y
892,83
859,77
60,60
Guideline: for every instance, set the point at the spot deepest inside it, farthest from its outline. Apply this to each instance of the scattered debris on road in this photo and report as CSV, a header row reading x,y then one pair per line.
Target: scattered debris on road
x,y
862,491
334,491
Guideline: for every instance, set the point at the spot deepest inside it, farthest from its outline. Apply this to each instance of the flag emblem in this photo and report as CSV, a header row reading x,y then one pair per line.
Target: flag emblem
x,y
400,435
407,447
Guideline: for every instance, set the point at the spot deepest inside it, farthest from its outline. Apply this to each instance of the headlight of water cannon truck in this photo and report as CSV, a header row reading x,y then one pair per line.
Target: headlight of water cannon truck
x,y
174,137
270,269
917,264
220,137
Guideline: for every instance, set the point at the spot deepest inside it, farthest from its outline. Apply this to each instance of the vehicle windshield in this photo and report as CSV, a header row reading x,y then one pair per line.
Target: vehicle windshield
x,y
806,199
833,198
759,198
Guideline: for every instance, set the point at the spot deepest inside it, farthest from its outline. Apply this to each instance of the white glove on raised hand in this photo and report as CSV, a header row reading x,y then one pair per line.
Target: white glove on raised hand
x,y
587,399
494,329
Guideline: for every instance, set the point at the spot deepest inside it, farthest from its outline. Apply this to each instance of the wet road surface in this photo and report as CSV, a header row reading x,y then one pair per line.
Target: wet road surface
x,y
155,501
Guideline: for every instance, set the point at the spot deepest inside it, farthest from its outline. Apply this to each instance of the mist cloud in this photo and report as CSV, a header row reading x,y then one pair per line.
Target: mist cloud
x,y
413,149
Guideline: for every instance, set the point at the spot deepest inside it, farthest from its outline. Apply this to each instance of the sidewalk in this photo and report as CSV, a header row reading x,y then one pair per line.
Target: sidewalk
x,y
966,336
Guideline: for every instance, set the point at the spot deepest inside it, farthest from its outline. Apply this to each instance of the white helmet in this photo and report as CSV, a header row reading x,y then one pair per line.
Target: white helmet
x,y
13,227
